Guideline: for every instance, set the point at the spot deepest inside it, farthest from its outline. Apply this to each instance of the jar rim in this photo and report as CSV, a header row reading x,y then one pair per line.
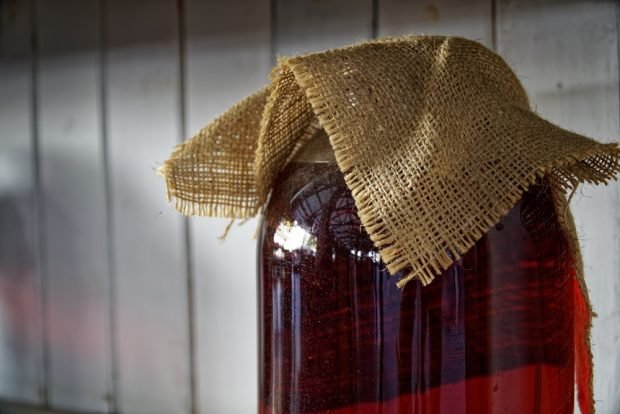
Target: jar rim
x,y
316,150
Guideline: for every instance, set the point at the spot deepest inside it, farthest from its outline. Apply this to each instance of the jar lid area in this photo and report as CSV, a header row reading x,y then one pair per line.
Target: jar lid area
x,y
317,149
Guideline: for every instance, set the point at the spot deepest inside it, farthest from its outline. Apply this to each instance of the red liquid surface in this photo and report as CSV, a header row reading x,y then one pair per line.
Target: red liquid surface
x,y
492,334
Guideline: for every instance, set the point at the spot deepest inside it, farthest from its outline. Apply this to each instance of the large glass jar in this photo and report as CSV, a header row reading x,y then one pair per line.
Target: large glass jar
x,y
492,334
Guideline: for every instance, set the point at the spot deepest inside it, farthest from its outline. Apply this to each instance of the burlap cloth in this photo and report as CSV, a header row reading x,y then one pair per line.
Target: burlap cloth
x,y
434,135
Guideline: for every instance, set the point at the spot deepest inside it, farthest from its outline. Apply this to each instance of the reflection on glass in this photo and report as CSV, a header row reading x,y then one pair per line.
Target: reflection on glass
x,y
493,334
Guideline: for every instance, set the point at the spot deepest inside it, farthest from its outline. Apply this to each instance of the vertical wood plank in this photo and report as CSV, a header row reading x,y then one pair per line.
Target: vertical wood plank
x,y
73,197
311,25
143,123
470,19
566,54
228,57
21,368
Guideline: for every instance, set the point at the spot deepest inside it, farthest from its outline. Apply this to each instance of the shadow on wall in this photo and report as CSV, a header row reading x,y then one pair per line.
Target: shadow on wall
x,y
19,299
77,303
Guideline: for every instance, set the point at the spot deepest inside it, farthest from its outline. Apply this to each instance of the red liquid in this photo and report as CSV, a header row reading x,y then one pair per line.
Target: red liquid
x,y
492,334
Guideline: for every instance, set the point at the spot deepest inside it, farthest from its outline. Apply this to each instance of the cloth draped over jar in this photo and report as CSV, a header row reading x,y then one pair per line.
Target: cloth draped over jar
x,y
436,140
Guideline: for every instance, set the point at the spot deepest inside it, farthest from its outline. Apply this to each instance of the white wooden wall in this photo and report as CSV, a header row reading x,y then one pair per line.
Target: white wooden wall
x,y
110,301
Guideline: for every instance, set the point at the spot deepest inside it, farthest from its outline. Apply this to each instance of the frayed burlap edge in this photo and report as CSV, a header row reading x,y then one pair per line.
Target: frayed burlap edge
x,y
189,182
187,176
597,166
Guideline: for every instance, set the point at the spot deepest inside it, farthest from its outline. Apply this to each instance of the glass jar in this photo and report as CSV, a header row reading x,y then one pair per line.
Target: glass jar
x,y
492,334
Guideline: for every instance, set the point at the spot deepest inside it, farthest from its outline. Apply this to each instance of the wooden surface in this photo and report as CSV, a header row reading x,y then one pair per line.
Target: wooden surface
x,y
310,26
471,19
228,55
110,301
73,197
567,58
21,330
151,340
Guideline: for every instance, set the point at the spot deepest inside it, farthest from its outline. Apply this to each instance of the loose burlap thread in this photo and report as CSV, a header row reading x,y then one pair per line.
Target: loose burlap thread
x,y
435,138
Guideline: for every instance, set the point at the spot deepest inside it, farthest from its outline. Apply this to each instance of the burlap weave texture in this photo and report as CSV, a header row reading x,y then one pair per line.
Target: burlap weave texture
x,y
434,136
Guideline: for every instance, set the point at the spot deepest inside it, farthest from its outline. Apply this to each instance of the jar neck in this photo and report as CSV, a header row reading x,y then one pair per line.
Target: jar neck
x,y
316,150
